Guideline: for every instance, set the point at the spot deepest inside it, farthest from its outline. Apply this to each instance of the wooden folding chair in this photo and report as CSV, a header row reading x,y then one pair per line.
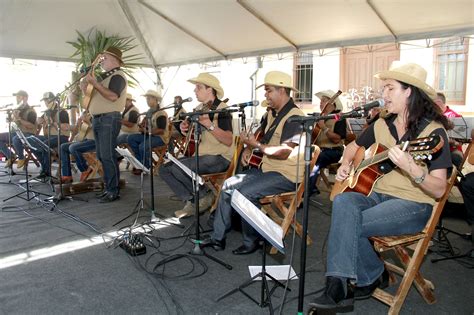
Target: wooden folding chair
x,y
215,180
287,203
410,270
29,156
160,153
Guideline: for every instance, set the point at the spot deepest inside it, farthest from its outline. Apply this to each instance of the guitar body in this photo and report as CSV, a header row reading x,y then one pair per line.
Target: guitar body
x,y
255,160
364,179
190,145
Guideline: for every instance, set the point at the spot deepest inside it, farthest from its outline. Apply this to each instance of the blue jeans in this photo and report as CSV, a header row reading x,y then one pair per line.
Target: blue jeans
x,y
123,138
3,144
106,129
41,153
180,182
76,149
141,148
325,158
355,218
254,185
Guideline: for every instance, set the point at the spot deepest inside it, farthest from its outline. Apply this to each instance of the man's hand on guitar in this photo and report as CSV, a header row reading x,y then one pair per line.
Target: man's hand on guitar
x,y
246,154
248,138
343,172
90,78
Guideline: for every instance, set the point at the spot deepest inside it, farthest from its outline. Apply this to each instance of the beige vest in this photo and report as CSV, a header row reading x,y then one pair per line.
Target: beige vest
x,y
210,145
24,115
101,105
288,167
323,141
398,183
134,128
166,135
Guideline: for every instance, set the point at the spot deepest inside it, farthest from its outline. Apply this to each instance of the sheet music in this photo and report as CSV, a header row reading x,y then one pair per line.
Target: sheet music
x,y
186,169
133,160
279,272
460,129
265,226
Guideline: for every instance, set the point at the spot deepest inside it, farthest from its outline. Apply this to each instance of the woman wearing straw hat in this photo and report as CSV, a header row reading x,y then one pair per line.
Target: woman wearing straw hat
x,y
215,149
282,163
401,201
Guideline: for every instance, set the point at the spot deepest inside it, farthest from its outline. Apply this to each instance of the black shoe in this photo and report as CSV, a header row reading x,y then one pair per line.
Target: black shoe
x,y
334,298
216,244
365,292
101,194
244,250
109,198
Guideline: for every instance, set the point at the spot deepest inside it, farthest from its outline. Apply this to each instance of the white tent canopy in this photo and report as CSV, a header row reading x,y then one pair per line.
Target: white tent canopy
x,y
173,32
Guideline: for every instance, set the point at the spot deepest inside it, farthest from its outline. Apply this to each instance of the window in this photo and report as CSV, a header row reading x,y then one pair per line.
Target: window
x,y
451,69
304,77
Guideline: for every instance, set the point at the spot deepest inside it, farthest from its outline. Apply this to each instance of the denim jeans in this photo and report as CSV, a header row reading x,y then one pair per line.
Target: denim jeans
x,y
123,138
106,129
76,149
3,144
355,218
180,182
325,158
18,145
141,148
41,153
253,184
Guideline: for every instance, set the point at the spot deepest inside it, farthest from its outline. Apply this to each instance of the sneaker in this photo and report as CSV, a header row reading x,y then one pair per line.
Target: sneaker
x,y
20,163
206,202
187,210
85,175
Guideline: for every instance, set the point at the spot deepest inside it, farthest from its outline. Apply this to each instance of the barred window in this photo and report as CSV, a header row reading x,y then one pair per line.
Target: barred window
x,y
304,77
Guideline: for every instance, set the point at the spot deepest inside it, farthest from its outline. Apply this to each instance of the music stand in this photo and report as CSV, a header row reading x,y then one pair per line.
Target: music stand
x,y
272,233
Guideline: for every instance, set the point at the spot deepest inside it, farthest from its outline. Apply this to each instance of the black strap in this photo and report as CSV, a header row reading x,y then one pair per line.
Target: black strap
x,y
268,134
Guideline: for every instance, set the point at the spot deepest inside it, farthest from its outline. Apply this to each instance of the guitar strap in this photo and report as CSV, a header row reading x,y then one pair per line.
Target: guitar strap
x,y
268,135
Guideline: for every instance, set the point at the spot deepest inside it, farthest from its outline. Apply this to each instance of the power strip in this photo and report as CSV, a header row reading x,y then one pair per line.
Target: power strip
x,y
133,245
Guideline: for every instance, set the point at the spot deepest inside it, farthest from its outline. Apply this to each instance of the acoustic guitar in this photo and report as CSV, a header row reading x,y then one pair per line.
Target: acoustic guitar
x,y
366,171
86,100
255,160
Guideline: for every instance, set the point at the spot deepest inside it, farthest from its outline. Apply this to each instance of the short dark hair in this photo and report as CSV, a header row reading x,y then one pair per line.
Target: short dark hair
x,y
442,97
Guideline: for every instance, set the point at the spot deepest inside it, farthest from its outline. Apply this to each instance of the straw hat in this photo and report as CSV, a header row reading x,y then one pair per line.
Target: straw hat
x,y
329,94
278,78
114,51
209,80
409,73
130,97
153,93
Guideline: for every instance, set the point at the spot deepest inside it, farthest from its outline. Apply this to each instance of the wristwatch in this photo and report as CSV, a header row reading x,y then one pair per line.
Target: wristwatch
x,y
211,127
420,179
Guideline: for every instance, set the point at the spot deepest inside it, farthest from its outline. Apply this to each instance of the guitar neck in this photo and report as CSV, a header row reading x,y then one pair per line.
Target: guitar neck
x,y
379,157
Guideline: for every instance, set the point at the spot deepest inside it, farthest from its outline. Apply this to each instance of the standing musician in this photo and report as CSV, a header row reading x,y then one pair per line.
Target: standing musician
x,y
106,104
25,118
159,130
82,142
215,149
401,201
49,123
278,172
330,137
129,120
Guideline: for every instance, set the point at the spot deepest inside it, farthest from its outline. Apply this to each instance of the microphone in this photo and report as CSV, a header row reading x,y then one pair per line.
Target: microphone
x,y
6,105
189,99
366,107
243,105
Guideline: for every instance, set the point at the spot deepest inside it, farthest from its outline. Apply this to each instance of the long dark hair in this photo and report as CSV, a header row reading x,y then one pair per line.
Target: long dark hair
x,y
420,106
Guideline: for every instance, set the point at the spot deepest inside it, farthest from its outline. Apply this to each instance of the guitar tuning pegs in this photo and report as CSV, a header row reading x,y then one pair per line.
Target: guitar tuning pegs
x,y
430,157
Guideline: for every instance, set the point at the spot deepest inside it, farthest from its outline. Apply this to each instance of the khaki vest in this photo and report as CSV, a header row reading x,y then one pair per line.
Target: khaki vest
x,y
288,167
24,115
134,128
101,105
210,145
54,130
323,141
397,183
166,135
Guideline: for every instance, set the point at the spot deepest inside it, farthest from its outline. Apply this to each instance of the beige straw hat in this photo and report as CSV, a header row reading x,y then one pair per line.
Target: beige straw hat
x,y
278,78
209,80
154,94
329,94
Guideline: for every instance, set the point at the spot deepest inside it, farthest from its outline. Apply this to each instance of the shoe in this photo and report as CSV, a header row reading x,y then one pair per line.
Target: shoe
x,y
206,202
66,179
101,194
42,175
244,250
188,210
334,298
20,163
365,292
85,175
109,197
136,171
216,244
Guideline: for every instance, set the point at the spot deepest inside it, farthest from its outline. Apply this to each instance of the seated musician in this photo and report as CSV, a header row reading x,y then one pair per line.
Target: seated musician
x,y
129,121
159,130
278,170
401,201
25,118
330,137
82,142
175,120
454,146
215,149
48,122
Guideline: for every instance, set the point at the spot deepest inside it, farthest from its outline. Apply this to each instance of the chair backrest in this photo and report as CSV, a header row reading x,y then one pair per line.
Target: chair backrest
x,y
469,153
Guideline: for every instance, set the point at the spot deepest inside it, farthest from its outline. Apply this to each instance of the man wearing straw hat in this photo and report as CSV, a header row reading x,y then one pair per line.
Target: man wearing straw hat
x,y
129,120
282,164
216,148
106,105
401,201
